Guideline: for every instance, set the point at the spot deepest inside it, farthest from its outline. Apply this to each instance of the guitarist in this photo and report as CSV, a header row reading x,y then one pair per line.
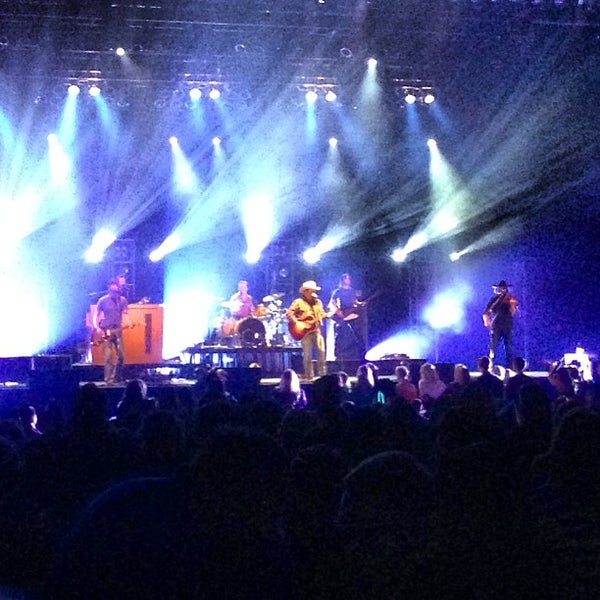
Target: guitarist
x,y
350,320
306,315
498,316
110,317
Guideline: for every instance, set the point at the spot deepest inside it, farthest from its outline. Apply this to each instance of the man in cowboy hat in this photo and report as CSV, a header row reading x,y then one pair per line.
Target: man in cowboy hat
x,y
498,316
306,315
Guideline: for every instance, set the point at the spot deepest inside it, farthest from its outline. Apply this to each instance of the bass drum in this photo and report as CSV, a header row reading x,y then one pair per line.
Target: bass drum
x,y
251,332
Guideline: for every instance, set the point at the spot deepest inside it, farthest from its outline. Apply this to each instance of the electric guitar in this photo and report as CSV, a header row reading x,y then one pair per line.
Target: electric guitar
x,y
104,335
356,311
349,313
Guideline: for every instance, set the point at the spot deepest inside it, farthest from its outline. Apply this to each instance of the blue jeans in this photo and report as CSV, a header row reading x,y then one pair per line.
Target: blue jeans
x,y
310,341
114,345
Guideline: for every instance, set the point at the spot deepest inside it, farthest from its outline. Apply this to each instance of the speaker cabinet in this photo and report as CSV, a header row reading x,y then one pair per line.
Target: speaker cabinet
x,y
143,342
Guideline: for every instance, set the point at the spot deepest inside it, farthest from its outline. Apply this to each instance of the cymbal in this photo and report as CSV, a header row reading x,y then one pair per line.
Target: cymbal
x,y
273,297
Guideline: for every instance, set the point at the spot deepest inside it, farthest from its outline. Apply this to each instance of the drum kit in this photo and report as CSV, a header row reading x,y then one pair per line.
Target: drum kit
x,y
265,326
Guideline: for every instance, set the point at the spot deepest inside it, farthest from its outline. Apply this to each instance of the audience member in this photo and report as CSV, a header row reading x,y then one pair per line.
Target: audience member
x,y
364,392
29,419
404,387
288,393
490,382
519,379
431,387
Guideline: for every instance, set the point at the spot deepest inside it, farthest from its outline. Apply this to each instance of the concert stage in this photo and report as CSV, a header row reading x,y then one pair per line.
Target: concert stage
x,y
39,379
252,372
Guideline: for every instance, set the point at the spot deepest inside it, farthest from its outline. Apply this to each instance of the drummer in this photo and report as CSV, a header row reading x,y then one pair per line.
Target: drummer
x,y
241,304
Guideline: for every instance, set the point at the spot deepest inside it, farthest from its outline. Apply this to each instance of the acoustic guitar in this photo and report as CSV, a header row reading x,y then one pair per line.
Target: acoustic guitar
x,y
299,328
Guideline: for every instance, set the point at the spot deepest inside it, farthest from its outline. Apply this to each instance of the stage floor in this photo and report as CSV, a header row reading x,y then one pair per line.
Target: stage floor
x,y
36,380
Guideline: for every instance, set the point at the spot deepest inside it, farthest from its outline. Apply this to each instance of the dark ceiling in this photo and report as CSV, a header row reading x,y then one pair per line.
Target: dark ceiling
x,y
240,42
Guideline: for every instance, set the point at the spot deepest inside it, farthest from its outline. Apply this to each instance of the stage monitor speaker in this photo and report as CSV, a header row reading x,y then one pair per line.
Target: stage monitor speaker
x,y
349,366
51,363
15,369
386,367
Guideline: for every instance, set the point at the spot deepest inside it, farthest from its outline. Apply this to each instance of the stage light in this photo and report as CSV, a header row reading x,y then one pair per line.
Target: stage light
x,y
73,90
445,310
371,64
311,256
429,98
94,91
410,343
431,143
330,96
173,141
216,141
170,244
214,94
410,98
120,51
195,94
101,241
252,257
399,255
454,256
311,96
155,255
333,142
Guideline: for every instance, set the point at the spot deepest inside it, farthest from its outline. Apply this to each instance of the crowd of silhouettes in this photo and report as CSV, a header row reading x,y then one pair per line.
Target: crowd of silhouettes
x,y
362,487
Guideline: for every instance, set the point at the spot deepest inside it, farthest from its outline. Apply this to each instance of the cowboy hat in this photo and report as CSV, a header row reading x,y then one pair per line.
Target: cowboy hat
x,y
502,284
309,285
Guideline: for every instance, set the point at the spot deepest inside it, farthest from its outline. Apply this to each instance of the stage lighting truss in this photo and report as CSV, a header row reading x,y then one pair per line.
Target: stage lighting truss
x,y
318,88
199,88
414,92
89,83
122,91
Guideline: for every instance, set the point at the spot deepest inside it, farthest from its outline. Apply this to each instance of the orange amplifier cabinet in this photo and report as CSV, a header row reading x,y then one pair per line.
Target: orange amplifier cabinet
x,y
143,342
